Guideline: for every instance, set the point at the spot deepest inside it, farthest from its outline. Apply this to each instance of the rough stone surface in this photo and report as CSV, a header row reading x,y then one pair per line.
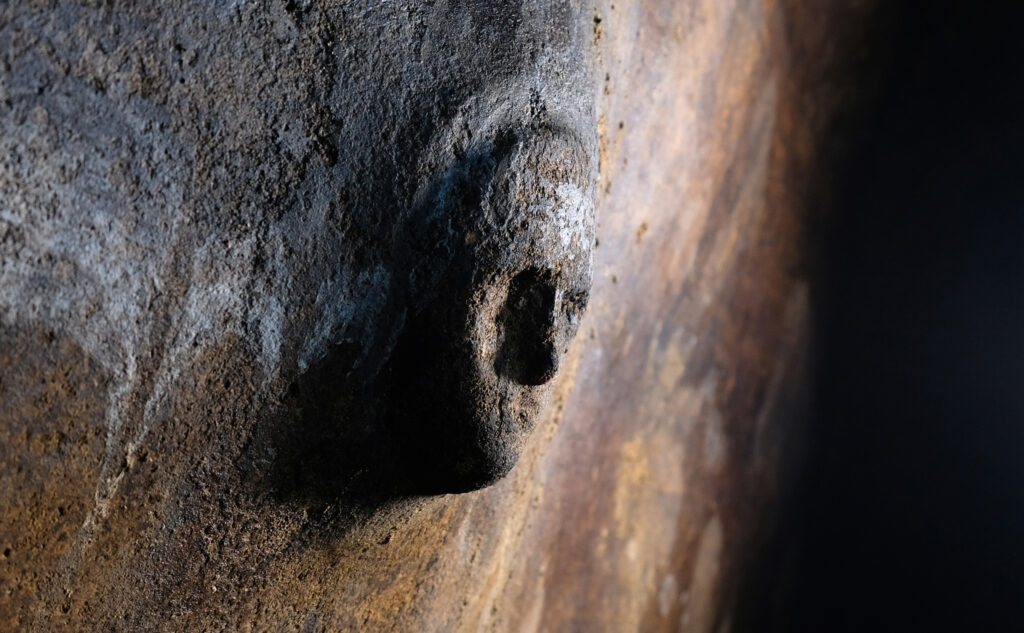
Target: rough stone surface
x,y
273,275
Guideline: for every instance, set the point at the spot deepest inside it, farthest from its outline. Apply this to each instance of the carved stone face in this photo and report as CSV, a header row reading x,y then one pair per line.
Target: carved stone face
x,y
483,253
469,372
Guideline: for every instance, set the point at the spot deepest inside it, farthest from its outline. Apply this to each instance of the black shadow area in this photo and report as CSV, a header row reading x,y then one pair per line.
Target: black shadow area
x,y
911,511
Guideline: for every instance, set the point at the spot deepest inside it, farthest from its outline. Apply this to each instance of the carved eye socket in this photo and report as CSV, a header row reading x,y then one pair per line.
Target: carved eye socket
x,y
528,354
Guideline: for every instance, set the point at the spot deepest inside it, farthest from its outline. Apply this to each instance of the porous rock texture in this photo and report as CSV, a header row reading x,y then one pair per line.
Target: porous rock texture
x,y
276,276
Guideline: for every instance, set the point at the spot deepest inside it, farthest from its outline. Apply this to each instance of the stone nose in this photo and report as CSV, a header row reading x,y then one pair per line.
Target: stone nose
x,y
528,326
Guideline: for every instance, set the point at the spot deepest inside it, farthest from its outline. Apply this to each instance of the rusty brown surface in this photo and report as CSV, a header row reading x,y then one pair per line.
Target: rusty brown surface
x,y
638,501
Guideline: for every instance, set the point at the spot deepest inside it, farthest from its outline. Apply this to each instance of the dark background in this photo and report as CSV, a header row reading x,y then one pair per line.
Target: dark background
x,y
909,514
